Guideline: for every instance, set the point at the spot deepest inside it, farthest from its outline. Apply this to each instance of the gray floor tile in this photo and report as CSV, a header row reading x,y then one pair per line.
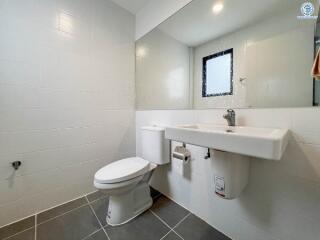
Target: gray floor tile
x,y
194,228
54,212
100,207
172,236
74,225
95,196
145,227
17,227
26,235
169,211
98,236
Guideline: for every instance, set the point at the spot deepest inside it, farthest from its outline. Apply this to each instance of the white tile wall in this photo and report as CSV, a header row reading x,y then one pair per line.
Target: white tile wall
x,y
66,99
282,200
166,84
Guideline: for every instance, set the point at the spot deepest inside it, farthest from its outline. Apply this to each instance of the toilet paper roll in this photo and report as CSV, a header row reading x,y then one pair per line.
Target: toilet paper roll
x,y
182,153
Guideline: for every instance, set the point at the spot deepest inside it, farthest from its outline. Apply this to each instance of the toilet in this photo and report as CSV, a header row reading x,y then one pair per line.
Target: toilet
x,y
126,181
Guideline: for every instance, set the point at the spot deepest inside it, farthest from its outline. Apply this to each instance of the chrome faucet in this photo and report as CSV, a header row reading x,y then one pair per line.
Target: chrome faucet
x,y
230,117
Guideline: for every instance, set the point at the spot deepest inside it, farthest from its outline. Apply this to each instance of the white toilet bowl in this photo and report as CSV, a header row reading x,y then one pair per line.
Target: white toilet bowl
x,y
126,183
126,180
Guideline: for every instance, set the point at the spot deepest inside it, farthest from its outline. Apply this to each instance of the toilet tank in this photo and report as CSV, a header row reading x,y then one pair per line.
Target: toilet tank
x,y
155,148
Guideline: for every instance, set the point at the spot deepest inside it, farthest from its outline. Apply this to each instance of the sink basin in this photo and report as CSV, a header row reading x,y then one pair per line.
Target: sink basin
x,y
267,143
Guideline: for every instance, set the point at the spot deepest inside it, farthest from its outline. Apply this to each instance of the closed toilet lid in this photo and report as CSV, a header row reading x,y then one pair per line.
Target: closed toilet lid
x,y
122,170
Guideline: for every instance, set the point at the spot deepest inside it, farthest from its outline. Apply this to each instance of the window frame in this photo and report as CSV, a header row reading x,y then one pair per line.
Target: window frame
x,y
204,73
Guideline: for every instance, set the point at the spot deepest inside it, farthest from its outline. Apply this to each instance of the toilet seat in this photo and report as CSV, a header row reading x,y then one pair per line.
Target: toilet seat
x,y
122,170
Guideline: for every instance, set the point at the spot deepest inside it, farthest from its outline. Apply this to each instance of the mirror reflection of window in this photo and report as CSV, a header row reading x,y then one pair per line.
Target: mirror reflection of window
x,y
217,74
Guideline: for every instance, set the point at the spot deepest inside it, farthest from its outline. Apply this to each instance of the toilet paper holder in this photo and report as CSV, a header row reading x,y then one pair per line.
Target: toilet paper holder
x,y
182,153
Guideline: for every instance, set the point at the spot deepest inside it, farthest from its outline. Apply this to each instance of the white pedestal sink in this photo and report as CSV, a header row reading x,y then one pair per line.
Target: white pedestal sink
x,y
267,143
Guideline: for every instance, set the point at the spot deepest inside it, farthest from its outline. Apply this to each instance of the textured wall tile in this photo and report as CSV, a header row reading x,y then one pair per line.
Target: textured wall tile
x,y
66,99
281,200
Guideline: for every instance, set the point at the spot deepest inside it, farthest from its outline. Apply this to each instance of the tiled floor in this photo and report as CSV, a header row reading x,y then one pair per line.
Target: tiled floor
x,y
84,219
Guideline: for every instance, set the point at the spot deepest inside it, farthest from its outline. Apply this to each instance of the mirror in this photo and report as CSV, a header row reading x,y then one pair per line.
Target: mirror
x,y
230,54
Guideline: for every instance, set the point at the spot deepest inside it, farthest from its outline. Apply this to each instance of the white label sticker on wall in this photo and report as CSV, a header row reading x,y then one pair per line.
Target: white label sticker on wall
x,y
219,186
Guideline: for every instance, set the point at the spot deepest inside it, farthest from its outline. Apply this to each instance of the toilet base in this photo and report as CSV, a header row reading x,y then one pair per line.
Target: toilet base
x,y
125,207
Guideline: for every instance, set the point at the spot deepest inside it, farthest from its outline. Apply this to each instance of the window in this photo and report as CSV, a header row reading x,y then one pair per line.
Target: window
x,y
217,74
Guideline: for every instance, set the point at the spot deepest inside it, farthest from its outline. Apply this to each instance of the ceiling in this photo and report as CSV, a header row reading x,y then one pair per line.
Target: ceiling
x,y
196,23
132,6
